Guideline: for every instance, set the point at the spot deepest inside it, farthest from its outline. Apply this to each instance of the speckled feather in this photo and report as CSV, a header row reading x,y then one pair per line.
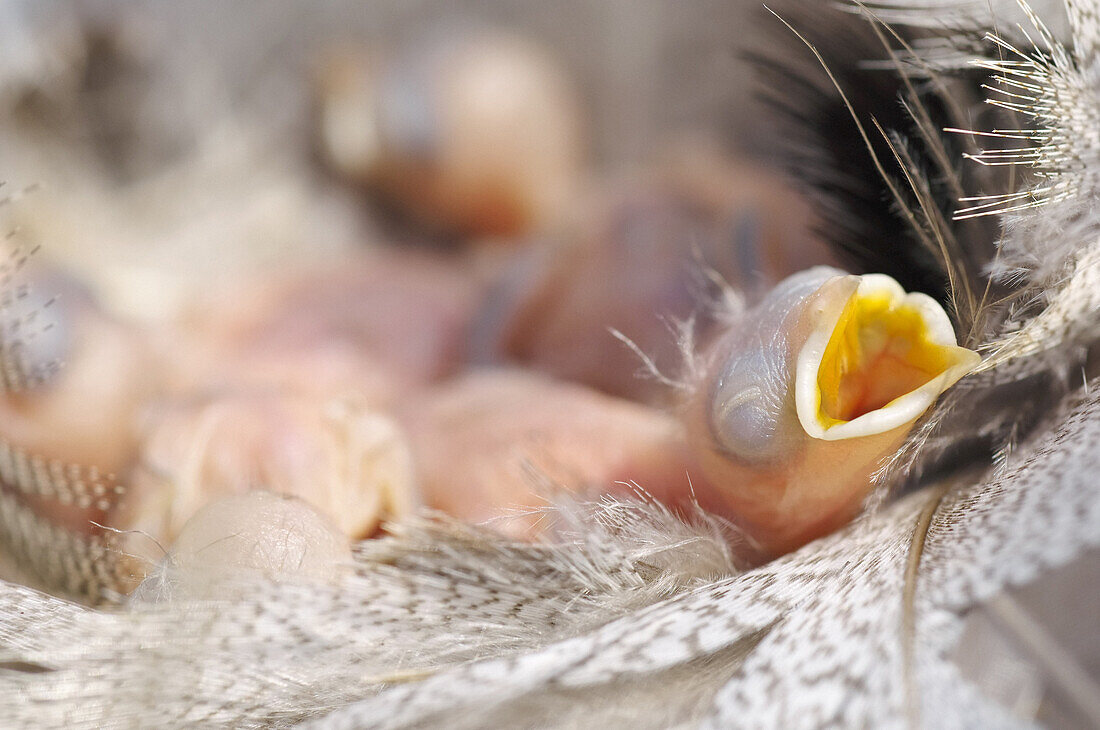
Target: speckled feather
x,y
822,632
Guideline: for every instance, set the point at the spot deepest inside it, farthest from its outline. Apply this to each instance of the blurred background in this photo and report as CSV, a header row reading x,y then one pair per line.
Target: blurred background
x,y
186,131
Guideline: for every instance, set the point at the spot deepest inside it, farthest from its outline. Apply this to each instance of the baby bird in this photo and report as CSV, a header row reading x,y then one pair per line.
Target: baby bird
x,y
795,405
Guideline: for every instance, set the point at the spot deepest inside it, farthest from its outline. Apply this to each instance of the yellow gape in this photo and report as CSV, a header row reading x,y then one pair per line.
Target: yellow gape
x,y
804,395
879,365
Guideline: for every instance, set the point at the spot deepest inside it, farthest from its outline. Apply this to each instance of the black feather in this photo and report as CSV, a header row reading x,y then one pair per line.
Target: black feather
x,y
873,226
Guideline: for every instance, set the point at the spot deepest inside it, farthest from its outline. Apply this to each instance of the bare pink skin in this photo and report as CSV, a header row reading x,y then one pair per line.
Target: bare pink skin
x,y
783,506
349,463
262,377
491,443
264,369
369,330
634,261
